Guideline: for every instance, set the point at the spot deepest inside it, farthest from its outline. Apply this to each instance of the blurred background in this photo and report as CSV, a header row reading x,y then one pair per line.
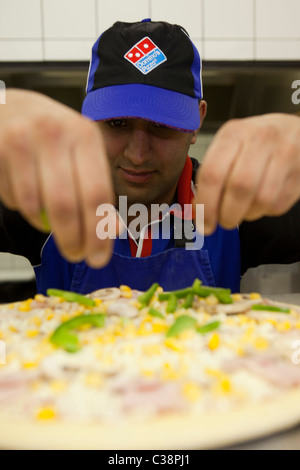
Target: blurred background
x,y
250,53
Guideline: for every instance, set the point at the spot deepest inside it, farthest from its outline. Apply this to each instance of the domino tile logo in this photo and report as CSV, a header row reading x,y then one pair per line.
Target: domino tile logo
x,y
145,55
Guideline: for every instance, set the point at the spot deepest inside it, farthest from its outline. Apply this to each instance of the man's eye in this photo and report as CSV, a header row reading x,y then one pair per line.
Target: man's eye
x,y
116,123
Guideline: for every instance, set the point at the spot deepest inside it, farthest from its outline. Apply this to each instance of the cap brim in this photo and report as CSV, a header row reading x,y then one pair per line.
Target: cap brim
x,y
140,101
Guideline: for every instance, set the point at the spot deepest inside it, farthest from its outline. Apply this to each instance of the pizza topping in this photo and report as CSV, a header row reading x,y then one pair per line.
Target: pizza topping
x,y
146,297
71,297
181,323
273,369
155,313
63,336
122,309
109,293
270,308
144,352
208,327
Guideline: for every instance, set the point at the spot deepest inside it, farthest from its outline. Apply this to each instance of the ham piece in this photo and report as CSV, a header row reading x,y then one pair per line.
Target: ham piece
x,y
279,372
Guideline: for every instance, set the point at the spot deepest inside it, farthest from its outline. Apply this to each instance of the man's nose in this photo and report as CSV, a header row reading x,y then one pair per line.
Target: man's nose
x,y
138,148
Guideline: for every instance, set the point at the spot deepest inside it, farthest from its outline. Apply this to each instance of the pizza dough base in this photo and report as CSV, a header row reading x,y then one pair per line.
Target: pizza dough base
x,y
169,432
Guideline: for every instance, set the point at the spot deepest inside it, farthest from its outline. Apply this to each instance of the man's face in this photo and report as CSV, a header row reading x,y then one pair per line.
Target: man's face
x,y
146,159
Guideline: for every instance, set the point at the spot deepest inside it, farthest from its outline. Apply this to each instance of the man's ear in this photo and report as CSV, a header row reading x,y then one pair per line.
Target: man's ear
x,y
202,112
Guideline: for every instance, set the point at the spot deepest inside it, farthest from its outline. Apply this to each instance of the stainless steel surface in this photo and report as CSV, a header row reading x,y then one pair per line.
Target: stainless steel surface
x,y
288,439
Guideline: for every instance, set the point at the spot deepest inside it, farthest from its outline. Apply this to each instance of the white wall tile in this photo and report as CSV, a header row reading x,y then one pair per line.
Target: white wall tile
x,y
199,45
228,19
278,50
187,14
278,19
129,11
77,49
228,50
20,19
19,51
69,19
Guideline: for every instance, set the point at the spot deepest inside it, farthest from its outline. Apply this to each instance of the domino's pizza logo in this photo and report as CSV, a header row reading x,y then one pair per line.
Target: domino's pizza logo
x,y
145,55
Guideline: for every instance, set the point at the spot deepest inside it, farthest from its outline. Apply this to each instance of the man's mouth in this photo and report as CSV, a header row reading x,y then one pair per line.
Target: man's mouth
x,y
134,176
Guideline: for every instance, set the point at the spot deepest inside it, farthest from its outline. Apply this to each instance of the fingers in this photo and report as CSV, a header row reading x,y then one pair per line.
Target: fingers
x,y
214,173
56,177
74,179
252,169
53,166
94,187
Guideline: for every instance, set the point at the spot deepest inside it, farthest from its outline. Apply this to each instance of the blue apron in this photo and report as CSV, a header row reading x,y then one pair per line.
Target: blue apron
x,y
217,263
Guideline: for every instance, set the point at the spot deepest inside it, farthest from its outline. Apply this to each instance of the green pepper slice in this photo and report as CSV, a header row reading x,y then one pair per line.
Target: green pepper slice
x,y
223,295
181,323
208,327
63,336
270,308
155,313
72,297
188,303
172,304
146,297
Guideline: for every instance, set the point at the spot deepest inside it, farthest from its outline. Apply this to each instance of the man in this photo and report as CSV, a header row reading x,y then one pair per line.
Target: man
x,y
144,90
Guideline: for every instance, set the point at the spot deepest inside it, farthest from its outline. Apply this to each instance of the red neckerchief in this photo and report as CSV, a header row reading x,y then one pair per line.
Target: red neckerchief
x,y
184,196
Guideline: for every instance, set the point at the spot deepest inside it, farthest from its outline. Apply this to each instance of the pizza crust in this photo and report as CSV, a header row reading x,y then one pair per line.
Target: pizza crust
x,y
202,432
174,431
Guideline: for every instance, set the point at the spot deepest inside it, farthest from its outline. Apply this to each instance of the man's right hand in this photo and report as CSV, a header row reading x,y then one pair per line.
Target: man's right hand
x,y
53,161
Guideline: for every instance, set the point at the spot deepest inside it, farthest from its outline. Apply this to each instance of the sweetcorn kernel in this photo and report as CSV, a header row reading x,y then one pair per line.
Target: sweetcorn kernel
x,y
36,321
32,333
127,295
58,386
147,373
159,327
29,365
191,391
283,326
64,317
214,342
13,329
39,297
261,343
255,295
124,288
46,413
225,385
25,306
211,300
172,343
236,297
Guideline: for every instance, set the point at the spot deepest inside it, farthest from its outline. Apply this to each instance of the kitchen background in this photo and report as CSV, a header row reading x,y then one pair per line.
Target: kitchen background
x,y
251,58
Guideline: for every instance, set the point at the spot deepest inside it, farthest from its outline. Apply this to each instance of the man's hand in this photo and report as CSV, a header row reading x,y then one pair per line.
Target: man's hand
x,y
251,169
53,162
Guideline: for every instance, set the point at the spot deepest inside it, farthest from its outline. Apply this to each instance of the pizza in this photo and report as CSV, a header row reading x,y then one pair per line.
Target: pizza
x,y
200,367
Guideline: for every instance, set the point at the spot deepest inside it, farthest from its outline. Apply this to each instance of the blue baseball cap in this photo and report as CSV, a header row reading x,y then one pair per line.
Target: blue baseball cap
x,y
145,70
